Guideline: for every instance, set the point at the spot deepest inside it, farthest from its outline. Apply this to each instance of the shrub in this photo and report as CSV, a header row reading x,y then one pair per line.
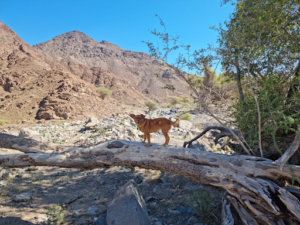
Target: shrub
x,y
279,114
151,106
2,122
104,92
198,125
182,100
203,205
186,116
55,214
32,96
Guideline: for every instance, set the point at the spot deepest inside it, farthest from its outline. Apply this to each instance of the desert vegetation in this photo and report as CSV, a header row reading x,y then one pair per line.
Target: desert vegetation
x,y
260,55
259,91
104,92
151,105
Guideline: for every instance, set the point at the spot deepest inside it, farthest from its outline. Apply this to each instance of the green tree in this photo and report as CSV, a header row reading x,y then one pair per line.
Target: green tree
x,y
264,36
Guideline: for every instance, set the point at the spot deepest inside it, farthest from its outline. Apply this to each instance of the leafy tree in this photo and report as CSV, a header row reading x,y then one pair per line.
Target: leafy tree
x,y
262,41
264,36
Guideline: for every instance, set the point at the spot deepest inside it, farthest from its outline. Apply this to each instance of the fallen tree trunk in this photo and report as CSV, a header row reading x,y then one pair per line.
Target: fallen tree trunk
x,y
28,145
251,182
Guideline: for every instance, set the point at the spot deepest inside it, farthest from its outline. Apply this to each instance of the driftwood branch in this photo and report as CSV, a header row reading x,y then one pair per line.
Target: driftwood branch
x,y
249,181
181,74
224,133
290,151
226,215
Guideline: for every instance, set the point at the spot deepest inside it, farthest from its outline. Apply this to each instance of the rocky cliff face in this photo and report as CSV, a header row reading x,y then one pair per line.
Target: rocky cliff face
x,y
58,79
34,85
134,68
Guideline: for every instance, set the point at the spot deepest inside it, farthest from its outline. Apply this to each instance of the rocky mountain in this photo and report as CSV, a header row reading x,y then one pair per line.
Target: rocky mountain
x,y
135,68
35,85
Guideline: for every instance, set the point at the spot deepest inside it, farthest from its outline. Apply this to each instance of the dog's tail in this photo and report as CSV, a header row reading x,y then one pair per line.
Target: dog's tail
x,y
176,123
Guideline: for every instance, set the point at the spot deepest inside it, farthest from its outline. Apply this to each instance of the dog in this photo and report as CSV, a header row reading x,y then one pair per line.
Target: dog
x,y
148,126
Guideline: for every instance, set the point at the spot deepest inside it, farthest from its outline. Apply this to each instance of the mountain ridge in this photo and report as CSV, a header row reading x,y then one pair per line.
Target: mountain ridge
x,y
37,86
137,68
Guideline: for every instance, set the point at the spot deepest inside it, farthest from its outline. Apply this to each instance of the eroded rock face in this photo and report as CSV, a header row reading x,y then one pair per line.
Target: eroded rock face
x,y
44,87
134,68
128,207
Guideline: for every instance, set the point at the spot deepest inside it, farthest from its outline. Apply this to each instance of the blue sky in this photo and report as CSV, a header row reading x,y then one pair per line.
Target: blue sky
x,y
123,22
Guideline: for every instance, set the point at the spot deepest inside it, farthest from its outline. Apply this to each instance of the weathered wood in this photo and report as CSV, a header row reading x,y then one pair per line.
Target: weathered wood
x,y
248,180
227,218
290,151
28,145
243,213
224,133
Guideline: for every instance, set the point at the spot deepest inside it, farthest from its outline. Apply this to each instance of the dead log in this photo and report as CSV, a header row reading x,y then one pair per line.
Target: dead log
x,y
28,145
251,182
224,133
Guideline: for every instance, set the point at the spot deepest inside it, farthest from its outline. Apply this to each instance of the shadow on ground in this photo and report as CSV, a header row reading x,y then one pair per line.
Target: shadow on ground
x,y
13,221
78,190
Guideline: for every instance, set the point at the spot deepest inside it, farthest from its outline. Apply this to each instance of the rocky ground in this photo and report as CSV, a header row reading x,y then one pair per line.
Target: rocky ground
x,y
27,193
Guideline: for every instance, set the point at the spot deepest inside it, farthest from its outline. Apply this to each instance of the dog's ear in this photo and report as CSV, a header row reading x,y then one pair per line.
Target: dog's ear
x,y
132,116
143,115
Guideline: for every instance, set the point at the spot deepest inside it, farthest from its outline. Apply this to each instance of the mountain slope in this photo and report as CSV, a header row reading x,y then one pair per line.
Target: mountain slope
x,y
34,85
138,69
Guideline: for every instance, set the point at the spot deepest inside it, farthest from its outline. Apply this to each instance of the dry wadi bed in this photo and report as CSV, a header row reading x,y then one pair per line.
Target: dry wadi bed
x,y
77,190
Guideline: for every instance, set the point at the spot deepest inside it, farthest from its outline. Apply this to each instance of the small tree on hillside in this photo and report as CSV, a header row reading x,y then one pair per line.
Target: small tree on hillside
x,y
151,106
104,92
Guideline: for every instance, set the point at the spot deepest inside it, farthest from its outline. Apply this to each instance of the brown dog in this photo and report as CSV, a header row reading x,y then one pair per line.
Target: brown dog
x,y
148,126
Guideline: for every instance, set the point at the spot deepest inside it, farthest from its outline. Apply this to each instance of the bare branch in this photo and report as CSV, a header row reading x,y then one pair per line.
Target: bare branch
x,y
290,151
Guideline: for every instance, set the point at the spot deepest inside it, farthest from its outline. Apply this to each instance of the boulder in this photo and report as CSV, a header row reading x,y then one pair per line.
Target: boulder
x,y
26,132
139,178
7,176
24,197
186,125
2,183
91,211
101,220
162,193
93,119
128,207
47,115
188,136
90,125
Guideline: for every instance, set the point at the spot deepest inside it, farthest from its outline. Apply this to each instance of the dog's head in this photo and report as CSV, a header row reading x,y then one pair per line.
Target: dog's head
x,y
138,119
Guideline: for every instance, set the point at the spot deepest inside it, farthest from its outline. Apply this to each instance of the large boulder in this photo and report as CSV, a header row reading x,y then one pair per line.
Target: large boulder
x,y
93,119
47,115
91,125
186,125
128,207
26,132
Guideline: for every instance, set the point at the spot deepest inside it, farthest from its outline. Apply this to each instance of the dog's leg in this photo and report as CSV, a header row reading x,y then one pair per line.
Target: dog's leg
x,y
148,137
145,137
165,133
